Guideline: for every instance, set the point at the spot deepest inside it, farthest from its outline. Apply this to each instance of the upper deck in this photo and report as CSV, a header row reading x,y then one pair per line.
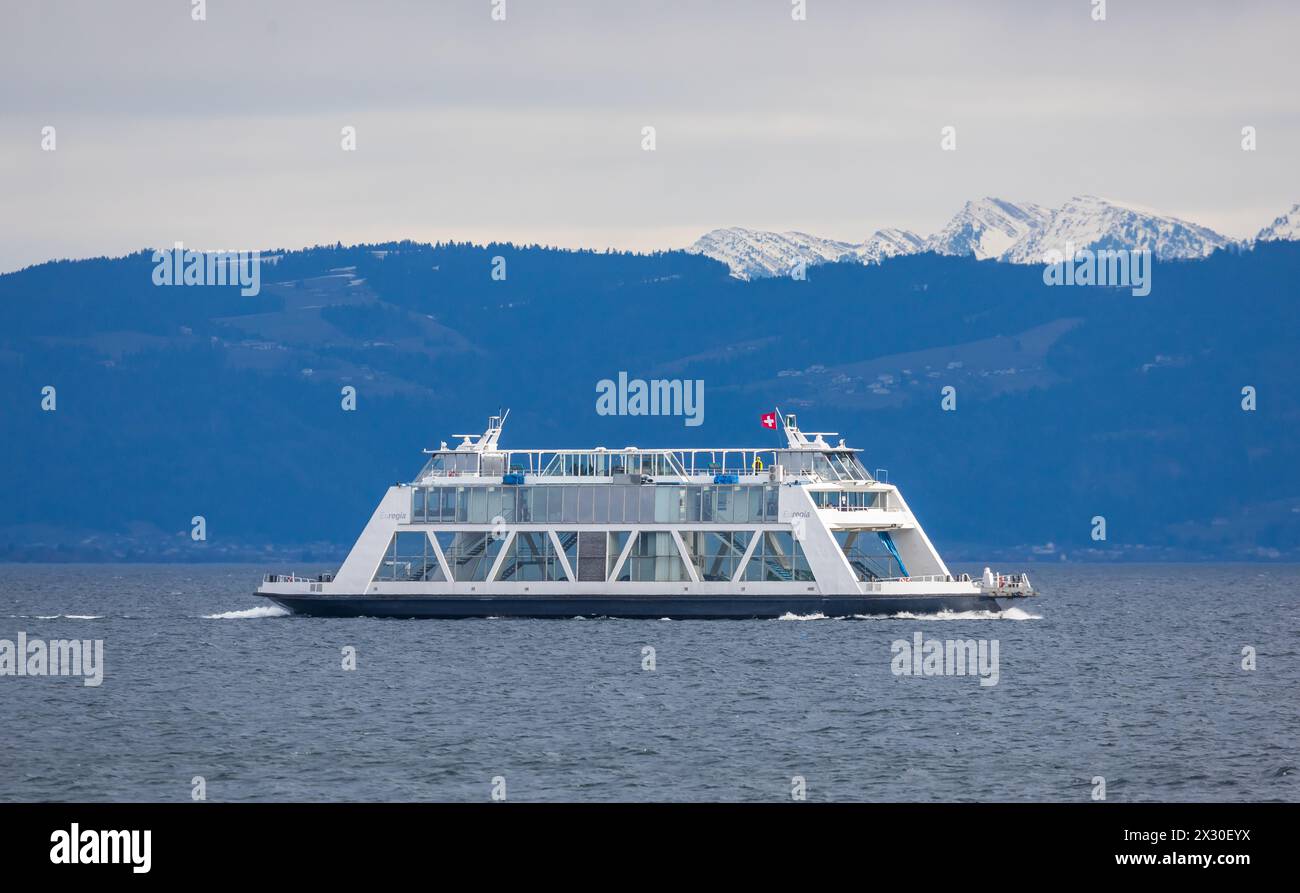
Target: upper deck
x,y
805,455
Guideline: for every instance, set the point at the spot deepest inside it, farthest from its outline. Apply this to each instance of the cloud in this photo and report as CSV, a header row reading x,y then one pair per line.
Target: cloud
x,y
227,131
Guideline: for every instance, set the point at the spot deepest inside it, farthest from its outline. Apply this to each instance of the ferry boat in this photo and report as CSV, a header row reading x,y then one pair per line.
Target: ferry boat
x,y
798,529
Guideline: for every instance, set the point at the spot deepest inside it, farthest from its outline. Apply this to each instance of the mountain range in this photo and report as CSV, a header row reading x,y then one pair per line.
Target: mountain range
x,y
1071,402
990,229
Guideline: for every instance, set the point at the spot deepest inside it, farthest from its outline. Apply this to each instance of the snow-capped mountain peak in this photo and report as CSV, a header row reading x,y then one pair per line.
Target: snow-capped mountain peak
x,y
1284,228
1087,221
886,243
988,227
1015,232
753,254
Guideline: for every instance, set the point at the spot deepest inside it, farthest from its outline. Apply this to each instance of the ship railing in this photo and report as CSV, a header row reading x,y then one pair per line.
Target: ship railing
x,y
294,578
928,578
878,584
616,471
1008,581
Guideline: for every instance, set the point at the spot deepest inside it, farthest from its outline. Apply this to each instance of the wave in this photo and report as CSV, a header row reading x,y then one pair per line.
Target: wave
x,y
69,617
1007,614
250,613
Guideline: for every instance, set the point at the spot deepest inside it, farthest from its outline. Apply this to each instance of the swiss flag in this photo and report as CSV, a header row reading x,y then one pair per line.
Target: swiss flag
x,y
769,420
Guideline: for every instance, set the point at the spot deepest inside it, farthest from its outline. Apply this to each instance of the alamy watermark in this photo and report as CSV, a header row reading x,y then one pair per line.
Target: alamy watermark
x,y
658,396
182,266
91,847
57,657
949,657
1126,268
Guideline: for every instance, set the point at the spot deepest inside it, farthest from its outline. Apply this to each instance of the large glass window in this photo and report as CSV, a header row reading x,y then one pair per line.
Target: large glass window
x,y
469,554
532,558
478,513
669,504
500,504
716,554
725,506
409,556
868,555
646,511
614,550
597,504
655,559
778,558
569,542
853,466
822,467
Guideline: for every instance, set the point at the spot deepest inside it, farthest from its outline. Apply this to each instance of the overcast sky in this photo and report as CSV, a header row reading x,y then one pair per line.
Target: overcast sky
x,y
225,133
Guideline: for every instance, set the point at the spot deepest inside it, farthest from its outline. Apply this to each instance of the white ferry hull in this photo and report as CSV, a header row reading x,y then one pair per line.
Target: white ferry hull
x,y
654,607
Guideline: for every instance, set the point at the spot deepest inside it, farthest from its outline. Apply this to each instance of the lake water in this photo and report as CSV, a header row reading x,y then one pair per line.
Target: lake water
x,y
1131,673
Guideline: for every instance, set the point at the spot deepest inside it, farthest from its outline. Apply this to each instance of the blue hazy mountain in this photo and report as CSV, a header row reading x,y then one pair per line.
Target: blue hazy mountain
x,y
1072,402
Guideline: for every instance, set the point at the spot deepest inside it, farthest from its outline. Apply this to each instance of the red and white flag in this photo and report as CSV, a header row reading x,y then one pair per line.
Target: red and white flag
x,y
769,420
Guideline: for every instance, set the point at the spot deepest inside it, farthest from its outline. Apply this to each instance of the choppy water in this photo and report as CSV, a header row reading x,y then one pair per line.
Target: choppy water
x,y
1128,672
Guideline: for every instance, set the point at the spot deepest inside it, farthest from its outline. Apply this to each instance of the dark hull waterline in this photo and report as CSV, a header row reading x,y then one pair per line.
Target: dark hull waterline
x,y
655,607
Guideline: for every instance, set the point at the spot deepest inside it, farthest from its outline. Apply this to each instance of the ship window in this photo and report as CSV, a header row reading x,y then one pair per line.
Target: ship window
x,y
600,497
725,511
646,514
716,553
417,504
531,559
617,541
655,558
778,558
821,466
854,465
668,504
554,503
469,554
868,555
409,556
477,506
493,508
569,542
691,504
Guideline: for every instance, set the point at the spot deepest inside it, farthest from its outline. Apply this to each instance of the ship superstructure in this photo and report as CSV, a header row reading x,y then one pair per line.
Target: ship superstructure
x,y
730,532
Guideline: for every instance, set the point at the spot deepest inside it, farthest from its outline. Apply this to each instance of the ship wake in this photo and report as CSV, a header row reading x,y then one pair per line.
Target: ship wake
x,y
250,613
